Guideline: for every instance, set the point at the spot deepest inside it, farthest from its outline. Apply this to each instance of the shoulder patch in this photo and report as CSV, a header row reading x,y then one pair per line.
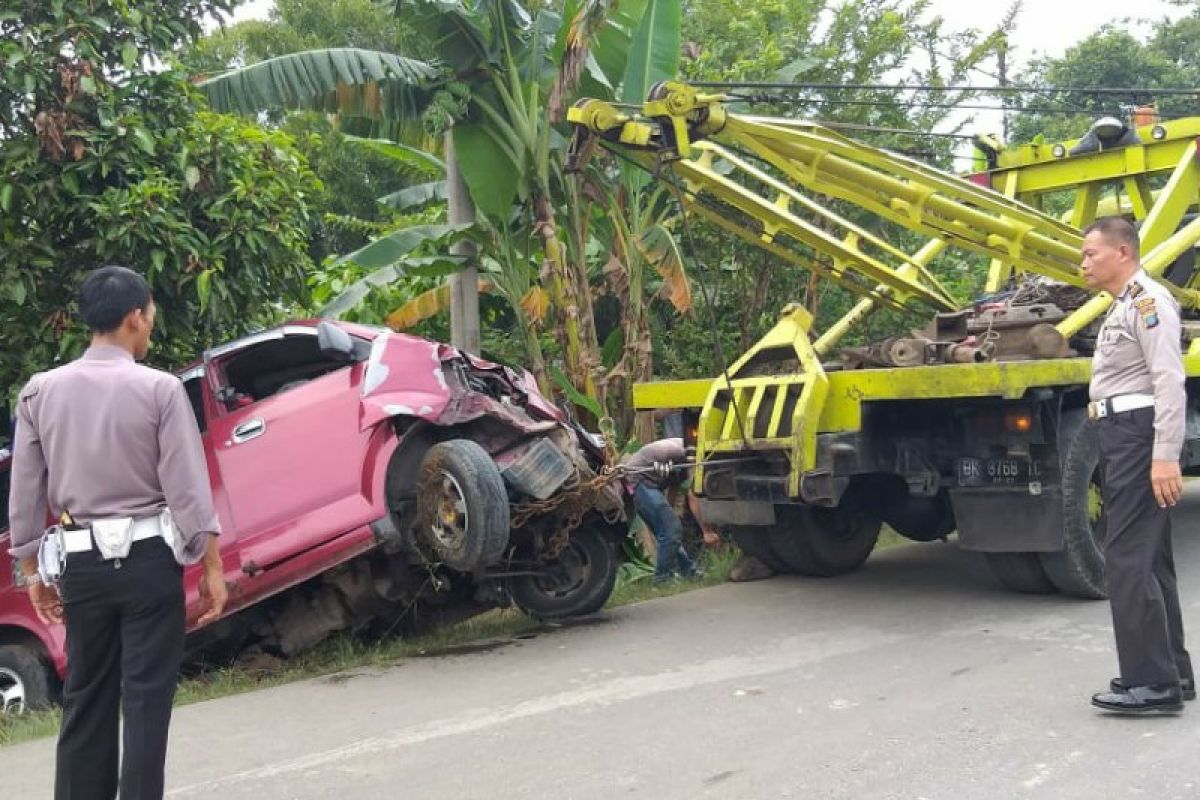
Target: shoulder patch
x,y
1135,290
1148,311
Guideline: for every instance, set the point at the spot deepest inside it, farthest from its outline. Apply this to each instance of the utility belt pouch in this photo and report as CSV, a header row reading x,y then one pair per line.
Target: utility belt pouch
x,y
113,537
51,555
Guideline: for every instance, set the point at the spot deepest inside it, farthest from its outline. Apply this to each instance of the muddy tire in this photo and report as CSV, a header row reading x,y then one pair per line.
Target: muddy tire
x,y
26,681
1078,569
1020,572
462,506
824,542
756,541
578,582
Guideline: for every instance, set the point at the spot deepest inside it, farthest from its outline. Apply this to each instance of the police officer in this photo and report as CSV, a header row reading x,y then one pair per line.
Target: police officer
x,y
1138,404
106,444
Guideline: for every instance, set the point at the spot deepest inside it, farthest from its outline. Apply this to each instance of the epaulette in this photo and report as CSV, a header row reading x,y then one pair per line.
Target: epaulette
x,y
1135,290
32,387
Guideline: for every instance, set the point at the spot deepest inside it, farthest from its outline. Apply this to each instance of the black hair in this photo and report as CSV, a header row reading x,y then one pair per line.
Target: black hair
x,y
1117,228
108,294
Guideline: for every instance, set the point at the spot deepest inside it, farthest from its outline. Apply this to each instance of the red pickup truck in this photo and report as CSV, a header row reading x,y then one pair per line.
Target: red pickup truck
x,y
368,481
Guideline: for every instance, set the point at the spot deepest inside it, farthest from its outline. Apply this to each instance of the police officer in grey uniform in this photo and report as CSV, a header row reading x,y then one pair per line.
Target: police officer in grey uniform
x,y
1138,405
108,446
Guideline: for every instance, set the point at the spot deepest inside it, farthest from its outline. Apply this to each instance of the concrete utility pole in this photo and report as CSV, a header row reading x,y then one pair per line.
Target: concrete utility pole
x,y
464,285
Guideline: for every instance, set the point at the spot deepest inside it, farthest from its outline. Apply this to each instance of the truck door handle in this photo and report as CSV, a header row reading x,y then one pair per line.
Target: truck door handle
x,y
250,429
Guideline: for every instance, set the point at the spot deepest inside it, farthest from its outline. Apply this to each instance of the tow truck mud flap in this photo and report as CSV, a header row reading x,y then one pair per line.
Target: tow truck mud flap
x,y
1009,519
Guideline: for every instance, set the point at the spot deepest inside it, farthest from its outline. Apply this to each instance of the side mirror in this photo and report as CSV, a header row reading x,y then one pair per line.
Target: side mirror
x,y
334,343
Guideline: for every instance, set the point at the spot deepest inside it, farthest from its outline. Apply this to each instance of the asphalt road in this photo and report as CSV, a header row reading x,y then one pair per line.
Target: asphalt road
x,y
914,678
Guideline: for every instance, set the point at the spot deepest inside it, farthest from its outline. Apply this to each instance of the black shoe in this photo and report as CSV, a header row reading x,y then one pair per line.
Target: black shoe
x,y
1164,699
1187,687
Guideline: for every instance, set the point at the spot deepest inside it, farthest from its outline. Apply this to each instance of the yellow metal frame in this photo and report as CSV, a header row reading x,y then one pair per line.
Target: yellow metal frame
x,y
759,178
747,412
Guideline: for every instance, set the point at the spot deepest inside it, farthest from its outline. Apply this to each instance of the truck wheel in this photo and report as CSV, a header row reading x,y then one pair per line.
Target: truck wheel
x,y
1021,572
823,542
579,581
921,519
462,506
26,682
1078,569
756,541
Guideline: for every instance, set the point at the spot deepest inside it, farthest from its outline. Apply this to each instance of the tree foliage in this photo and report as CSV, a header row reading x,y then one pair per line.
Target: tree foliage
x,y
346,214
739,289
105,158
1113,56
297,25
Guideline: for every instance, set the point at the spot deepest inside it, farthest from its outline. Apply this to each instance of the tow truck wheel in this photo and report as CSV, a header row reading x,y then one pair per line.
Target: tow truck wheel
x,y
1078,569
578,581
26,682
462,506
756,541
824,542
1021,572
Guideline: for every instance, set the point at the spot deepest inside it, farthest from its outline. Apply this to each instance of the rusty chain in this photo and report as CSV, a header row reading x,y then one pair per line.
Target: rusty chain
x,y
583,492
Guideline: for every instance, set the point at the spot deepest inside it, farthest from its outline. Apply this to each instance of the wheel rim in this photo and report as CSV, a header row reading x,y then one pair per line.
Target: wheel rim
x,y
451,521
567,574
12,692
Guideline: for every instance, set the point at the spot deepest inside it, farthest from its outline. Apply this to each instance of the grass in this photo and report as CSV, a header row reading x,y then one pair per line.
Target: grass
x,y
34,725
639,587
338,654
345,652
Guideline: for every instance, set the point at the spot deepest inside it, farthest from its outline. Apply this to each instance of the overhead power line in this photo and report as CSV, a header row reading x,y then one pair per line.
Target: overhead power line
x,y
824,87
764,99
855,126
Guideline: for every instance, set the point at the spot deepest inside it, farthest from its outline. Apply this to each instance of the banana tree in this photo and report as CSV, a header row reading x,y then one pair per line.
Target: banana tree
x,y
632,232
636,232
494,67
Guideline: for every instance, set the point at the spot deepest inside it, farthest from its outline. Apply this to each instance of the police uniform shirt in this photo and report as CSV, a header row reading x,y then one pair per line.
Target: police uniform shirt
x,y
1138,352
104,437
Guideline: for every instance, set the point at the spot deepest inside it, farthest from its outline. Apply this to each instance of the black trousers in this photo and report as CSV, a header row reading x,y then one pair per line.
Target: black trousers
x,y
1139,564
125,628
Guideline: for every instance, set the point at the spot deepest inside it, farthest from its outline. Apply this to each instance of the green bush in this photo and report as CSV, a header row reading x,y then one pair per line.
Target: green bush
x,y
106,157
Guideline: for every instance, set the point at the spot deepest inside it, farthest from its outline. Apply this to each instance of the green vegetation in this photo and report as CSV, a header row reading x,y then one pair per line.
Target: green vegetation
x,y
592,269
1113,56
586,277
106,157
345,652
330,192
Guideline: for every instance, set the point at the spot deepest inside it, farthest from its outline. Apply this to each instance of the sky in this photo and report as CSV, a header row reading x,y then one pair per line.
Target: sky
x,y
1043,28
1051,28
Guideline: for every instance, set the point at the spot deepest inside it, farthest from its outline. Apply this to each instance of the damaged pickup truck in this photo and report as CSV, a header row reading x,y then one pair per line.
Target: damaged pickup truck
x,y
370,481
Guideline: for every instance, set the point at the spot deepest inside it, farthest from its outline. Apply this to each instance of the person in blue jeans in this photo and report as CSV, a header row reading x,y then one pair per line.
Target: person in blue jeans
x,y
650,500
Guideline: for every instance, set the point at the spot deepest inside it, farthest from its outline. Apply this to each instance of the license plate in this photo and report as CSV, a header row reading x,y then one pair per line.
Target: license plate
x,y
986,471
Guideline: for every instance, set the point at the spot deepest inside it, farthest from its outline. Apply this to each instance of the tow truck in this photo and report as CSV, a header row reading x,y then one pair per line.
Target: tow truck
x,y
973,423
